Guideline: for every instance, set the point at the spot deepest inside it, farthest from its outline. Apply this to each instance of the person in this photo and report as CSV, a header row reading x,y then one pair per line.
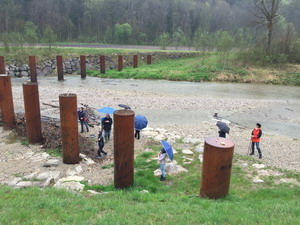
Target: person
x,y
137,133
100,145
83,120
106,126
255,138
162,161
222,134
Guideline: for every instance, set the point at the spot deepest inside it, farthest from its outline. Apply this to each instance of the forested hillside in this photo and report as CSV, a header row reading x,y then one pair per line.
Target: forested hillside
x,y
271,24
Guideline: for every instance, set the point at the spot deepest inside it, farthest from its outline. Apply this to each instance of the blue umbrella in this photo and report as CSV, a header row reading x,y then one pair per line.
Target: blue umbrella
x,y
107,110
140,122
168,149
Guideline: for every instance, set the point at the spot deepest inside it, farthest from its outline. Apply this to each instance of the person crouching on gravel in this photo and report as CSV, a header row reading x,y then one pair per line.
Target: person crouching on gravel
x,y
100,145
255,138
162,161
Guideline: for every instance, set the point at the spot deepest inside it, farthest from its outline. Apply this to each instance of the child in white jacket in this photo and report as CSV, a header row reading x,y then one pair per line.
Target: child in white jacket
x,y
162,161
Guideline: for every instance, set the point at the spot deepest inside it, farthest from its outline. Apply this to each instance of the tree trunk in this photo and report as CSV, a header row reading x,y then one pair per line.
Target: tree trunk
x,y
270,34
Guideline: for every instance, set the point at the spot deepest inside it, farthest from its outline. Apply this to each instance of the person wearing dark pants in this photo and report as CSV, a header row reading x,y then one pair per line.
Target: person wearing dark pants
x,y
255,138
137,134
100,145
222,134
83,120
106,126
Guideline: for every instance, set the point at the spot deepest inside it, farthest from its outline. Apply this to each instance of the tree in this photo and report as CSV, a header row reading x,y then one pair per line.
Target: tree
x,y
123,32
30,35
164,40
225,41
266,12
50,36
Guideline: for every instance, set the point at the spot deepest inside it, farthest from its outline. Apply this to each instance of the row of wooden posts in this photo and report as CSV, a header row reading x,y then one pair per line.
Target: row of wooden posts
x,y
123,128
59,65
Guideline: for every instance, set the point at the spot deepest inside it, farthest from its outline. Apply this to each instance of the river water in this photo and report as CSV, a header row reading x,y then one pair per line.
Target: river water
x,y
281,115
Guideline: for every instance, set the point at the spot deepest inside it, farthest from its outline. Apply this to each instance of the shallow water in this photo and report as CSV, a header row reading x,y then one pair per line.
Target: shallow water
x,y
282,116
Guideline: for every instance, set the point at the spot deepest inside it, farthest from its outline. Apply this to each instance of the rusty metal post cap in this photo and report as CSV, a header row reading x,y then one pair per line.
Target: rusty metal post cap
x,y
124,112
67,95
219,142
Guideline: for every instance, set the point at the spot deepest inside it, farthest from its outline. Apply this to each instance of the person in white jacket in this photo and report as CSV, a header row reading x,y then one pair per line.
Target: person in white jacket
x,y
162,161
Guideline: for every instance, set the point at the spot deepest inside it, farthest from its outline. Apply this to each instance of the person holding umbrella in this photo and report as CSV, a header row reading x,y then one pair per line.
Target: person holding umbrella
x,y
166,150
255,138
223,129
162,162
140,122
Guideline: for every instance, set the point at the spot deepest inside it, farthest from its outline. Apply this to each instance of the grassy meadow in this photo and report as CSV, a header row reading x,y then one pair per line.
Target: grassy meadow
x,y
174,201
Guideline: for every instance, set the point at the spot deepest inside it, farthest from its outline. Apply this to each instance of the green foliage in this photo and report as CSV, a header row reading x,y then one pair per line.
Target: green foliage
x,y
294,56
164,40
179,38
55,152
204,41
24,142
30,33
123,33
49,36
225,41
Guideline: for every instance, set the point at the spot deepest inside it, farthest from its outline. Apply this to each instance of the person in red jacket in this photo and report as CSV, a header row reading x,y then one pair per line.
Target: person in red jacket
x,y
255,138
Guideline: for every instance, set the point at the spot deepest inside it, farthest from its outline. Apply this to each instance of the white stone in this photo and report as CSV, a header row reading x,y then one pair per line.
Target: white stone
x,y
51,163
89,161
71,178
258,166
93,192
48,174
199,148
74,171
244,164
187,152
24,184
71,186
144,191
159,137
30,176
186,158
257,180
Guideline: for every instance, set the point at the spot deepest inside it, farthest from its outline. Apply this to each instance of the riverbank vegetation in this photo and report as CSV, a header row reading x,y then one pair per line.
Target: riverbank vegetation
x,y
210,67
175,201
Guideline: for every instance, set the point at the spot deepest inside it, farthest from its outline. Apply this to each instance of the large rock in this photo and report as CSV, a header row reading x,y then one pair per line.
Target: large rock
x,y
171,169
70,186
48,175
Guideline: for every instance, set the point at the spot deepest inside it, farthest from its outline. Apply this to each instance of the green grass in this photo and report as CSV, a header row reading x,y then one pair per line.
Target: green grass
x,y
55,152
174,201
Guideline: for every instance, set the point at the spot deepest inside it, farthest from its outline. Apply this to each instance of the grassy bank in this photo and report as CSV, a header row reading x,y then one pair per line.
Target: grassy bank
x,y
210,67
175,201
